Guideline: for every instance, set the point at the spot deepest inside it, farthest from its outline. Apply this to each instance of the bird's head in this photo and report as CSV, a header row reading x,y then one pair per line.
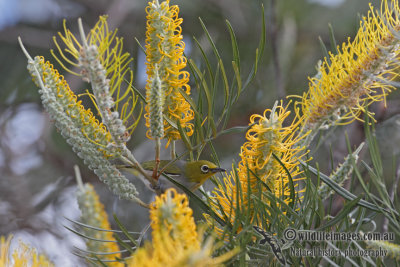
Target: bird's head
x,y
199,171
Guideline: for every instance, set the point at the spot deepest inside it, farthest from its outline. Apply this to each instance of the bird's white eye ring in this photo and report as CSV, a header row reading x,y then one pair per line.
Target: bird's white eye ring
x,y
204,169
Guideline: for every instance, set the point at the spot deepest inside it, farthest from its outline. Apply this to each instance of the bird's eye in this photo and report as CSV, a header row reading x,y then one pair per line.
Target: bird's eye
x,y
204,169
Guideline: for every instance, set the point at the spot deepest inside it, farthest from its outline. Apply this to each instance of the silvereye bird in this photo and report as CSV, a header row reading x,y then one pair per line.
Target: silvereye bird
x,y
190,174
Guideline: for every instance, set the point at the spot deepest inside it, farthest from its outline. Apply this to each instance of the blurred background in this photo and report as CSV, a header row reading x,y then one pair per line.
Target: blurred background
x,y
37,185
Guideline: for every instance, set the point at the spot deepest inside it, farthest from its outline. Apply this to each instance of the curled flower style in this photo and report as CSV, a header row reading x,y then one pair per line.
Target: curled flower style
x,y
364,71
175,240
164,49
266,137
22,256
93,214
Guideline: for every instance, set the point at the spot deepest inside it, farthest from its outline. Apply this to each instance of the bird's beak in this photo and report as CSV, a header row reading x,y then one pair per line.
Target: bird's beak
x,y
215,170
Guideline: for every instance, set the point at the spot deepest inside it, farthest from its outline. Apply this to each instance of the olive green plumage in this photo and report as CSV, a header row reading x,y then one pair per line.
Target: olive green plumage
x,y
190,174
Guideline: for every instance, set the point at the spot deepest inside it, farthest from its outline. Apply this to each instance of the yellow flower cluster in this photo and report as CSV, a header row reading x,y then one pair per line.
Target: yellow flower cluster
x,y
164,51
361,73
22,256
93,214
175,241
267,136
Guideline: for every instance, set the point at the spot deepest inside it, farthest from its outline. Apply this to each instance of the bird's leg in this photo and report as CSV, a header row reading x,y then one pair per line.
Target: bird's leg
x,y
157,159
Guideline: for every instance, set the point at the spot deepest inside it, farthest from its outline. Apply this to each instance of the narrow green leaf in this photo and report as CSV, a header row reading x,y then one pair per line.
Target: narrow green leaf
x,y
124,230
235,48
333,39
203,82
97,228
233,130
184,136
238,79
213,127
100,261
344,213
189,100
291,185
171,122
125,245
340,190
324,50
191,65
140,45
373,145
226,85
198,128
90,238
139,94
210,39
210,72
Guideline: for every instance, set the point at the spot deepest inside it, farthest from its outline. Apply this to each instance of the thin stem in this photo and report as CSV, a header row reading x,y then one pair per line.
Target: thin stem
x,y
82,32
128,157
173,149
78,177
23,49
157,158
141,203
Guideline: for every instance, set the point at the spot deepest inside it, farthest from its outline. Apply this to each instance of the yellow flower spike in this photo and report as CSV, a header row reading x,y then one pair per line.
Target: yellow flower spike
x,y
22,256
171,212
364,71
90,140
175,240
93,214
267,136
164,49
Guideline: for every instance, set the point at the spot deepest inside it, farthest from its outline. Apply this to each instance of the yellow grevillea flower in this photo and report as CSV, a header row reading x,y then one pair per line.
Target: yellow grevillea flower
x,y
22,256
362,72
266,137
89,139
93,214
164,51
175,240
83,118
115,62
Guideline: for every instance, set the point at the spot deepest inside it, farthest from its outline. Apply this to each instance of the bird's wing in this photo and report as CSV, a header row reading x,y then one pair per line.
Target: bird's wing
x,y
171,169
